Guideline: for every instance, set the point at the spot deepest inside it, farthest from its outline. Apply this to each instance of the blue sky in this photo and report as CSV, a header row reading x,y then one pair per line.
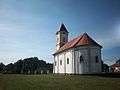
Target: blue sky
x,y
28,27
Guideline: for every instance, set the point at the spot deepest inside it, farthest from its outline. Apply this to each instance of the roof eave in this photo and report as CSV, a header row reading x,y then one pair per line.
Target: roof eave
x,y
71,48
61,51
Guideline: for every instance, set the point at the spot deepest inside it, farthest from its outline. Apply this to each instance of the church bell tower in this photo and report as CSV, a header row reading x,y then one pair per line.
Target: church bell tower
x,y
61,37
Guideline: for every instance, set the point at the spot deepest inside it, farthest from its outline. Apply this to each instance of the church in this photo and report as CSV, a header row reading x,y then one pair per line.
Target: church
x,y
81,55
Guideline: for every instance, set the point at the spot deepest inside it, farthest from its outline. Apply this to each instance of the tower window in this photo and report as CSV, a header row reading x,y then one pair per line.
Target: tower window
x,y
63,32
96,59
81,59
60,62
57,39
63,39
55,63
67,60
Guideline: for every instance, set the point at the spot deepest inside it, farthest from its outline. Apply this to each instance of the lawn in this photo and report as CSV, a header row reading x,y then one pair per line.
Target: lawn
x,y
57,82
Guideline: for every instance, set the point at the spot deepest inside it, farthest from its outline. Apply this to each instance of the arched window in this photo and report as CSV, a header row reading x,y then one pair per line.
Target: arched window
x,y
81,59
63,32
67,60
63,39
60,62
55,63
96,59
57,39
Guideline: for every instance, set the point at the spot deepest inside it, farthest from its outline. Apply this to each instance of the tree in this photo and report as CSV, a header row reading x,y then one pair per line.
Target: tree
x,y
18,66
9,68
2,67
105,68
118,61
30,65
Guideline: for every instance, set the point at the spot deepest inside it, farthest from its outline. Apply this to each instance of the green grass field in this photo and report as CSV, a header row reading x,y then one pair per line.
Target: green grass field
x,y
58,82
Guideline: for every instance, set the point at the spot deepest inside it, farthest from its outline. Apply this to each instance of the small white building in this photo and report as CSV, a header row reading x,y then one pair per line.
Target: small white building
x,y
82,55
115,68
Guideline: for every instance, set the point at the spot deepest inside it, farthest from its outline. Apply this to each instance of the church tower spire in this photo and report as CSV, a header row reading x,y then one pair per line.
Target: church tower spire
x,y
61,36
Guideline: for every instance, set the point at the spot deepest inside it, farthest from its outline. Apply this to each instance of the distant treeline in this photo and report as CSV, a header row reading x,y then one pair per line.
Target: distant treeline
x,y
27,66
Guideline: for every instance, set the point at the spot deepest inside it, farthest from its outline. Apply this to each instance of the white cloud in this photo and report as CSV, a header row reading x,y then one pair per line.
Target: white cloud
x,y
111,38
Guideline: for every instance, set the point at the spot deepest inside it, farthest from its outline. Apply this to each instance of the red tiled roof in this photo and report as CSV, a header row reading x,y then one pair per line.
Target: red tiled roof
x,y
79,41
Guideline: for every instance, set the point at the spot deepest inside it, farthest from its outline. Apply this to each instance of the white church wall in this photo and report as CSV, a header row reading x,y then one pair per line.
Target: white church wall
x,y
81,67
85,64
64,68
56,64
95,67
76,60
69,67
62,65
89,64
